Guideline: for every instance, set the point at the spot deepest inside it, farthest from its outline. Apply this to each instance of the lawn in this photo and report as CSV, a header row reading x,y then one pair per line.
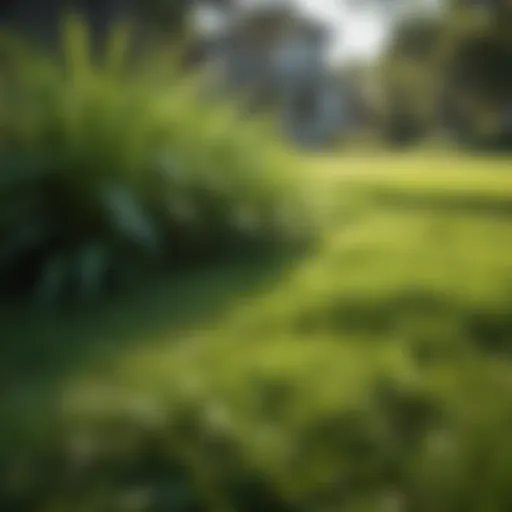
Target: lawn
x,y
370,371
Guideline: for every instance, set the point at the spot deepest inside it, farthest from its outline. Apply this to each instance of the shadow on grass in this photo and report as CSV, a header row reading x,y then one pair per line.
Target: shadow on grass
x,y
438,324
495,205
41,350
39,344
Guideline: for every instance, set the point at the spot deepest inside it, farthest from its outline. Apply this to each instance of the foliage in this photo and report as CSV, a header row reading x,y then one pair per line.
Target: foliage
x,y
373,375
106,171
457,63
169,16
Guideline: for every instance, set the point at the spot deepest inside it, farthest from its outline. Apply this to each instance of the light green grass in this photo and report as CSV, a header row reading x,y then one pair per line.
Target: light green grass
x,y
375,366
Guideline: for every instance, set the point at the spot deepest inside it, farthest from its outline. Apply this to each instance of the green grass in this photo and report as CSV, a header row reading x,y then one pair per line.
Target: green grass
x,y
372,370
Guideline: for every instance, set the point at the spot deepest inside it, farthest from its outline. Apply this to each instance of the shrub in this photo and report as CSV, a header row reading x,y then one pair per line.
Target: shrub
x,y
106,171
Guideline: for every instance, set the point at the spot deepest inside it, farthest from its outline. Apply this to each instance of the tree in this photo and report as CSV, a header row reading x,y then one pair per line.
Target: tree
x,y
460,62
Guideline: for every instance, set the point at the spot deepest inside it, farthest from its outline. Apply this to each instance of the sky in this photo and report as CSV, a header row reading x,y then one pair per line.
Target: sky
x,y
358,32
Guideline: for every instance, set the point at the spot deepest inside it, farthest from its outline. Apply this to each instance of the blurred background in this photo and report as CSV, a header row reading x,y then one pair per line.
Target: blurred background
x,y
255,255
400,72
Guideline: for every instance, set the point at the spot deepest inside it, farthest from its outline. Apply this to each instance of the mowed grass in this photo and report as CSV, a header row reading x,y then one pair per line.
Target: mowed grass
x,y
373,369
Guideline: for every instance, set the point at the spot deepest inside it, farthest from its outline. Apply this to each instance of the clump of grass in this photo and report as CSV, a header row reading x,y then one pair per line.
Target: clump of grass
x,y
107,171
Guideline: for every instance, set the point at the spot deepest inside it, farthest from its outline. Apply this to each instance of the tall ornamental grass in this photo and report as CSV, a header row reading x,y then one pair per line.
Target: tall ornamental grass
x,y
108,169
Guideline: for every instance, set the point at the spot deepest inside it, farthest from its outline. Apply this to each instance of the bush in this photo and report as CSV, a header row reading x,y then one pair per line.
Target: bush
x,y
106,171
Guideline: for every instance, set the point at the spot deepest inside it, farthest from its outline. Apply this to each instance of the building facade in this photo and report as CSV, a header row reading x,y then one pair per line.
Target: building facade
x,y
277,58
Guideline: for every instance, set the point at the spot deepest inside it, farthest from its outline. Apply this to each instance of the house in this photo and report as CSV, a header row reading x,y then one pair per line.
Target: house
x,y
277,58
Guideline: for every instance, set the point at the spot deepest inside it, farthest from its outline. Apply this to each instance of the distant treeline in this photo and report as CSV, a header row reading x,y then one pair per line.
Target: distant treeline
x,y
452,72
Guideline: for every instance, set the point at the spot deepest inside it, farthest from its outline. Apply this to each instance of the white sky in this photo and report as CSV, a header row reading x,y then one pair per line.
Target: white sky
x,y
359,33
